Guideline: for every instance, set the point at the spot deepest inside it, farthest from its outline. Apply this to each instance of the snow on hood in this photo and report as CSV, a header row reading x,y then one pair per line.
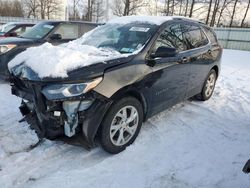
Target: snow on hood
x,y
56,61
157,20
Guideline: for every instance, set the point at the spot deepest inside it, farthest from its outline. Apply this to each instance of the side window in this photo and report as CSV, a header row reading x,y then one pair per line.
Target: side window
x,y
172,37
27,28
194,36
22,29
84,28
211,35
68,31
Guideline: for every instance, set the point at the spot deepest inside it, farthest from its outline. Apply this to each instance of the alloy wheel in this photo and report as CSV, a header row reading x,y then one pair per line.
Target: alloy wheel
x,y
210,84
124,125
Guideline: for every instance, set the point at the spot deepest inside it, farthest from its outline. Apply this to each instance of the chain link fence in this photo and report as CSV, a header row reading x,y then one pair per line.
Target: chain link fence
x,y
234,38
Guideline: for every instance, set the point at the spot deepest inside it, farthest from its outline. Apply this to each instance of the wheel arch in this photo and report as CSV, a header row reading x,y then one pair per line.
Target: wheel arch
x,y
216,68
128,91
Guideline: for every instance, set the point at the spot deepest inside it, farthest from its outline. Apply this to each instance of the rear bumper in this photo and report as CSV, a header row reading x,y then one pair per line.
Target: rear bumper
x,y
50,118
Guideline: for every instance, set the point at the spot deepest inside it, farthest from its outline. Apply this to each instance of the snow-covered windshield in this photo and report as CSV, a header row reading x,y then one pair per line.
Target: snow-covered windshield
x,y
39,31
124,38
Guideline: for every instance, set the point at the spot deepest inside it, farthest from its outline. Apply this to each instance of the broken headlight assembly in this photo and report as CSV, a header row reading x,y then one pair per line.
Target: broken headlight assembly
x,y
62,91
6,47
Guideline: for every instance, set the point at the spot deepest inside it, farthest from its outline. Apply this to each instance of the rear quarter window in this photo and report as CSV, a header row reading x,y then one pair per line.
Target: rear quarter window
x,y
68,31
211,35
84,28
194,36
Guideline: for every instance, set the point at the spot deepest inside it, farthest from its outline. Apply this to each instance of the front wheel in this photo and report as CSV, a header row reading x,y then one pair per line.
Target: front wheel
x,y
121,125
209,86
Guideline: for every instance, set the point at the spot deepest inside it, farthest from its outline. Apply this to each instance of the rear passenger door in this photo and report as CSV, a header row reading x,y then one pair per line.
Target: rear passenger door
x,y
199,53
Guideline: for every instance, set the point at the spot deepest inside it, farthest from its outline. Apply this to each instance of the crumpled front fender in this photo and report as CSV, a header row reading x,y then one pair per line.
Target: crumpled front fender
x,y
92,120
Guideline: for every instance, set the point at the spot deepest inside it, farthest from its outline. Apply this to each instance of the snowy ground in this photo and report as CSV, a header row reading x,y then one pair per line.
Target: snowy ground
x,y
194,144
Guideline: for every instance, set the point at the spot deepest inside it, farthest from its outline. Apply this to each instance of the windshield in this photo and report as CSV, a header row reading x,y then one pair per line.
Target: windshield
x,y
39,31
6,27
119,37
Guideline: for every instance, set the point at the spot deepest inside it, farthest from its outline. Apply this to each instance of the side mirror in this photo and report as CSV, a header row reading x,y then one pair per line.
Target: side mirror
x,y
12,34
55,37
164,52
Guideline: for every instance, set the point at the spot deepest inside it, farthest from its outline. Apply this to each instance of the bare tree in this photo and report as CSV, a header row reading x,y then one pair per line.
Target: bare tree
x,y
209,10
98,11
192,8
221,11
216,8
127,7
42,8
153,8
31,7
233,13
166,7
11,8
118,8
75,9
180,9
52,7
245,15
186,8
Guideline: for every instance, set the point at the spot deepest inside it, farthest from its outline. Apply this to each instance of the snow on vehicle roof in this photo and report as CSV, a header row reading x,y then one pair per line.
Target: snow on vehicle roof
x,y
158,20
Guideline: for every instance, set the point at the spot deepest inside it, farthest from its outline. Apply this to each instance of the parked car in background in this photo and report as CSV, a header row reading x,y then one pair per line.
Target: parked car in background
x,y
115,78
55,32
14,29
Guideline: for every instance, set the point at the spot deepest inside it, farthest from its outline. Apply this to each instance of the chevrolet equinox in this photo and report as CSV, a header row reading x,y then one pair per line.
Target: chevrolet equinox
x,y
157,62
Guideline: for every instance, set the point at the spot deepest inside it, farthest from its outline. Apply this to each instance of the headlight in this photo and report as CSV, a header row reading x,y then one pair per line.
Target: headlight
x,y
61,91
7,47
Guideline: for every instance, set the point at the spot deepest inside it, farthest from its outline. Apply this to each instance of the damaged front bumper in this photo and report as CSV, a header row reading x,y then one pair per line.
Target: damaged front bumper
x,y
80,115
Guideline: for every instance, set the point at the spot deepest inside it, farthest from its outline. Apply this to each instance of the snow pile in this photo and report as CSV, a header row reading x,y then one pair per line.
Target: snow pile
x,y
55,61
157,20
191,145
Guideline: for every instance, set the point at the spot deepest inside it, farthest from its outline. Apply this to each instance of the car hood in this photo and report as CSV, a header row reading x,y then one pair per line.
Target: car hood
x,y
67,62
16,40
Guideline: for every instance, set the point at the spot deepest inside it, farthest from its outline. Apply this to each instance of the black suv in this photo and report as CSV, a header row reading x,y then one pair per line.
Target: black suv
x,y
55,32
163,61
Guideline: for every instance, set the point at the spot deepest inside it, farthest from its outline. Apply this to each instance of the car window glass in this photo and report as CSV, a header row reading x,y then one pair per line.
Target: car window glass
x,y
194,36
68,31
124,38
211,35
7,27
39,31
84,28
22,29
171,37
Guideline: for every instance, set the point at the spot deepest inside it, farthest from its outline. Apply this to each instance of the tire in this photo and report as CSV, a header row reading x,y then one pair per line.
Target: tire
x,y
119,129
208,87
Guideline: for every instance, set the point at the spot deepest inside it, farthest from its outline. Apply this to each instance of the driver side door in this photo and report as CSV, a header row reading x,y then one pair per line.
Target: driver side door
x,y
172,72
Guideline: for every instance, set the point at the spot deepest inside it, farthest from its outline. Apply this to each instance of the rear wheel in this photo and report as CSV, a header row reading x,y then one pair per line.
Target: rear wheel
x,y
209,86
121,125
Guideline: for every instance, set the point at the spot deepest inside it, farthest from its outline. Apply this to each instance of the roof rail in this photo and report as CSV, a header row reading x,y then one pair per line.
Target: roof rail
x,y
187,18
